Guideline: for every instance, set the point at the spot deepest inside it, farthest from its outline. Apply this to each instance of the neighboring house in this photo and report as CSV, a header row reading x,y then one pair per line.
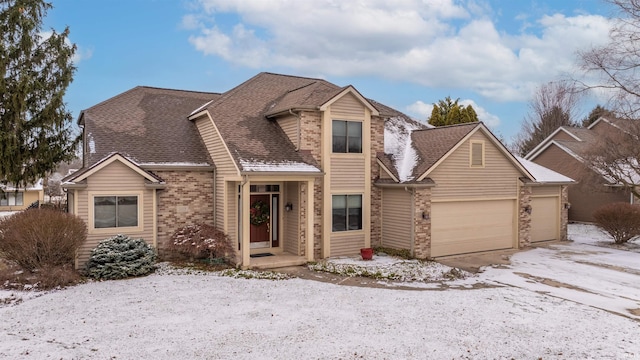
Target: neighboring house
x,y
302,169
564,151
14,198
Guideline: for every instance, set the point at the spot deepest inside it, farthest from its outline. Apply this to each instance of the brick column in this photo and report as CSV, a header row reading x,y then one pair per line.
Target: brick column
x,y
524,216
422,224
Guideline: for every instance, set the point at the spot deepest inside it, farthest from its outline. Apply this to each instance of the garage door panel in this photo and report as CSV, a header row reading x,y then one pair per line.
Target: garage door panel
x,y
544,218
465,227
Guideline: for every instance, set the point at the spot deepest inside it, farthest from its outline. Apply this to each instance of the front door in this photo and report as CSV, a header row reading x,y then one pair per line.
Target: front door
x,y
260,216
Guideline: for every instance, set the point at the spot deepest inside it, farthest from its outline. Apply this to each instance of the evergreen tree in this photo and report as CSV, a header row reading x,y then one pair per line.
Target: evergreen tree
x,y
35,71
595,114
449,112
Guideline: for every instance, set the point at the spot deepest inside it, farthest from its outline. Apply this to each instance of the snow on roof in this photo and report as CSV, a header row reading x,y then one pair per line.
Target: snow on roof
x,y
11,187
541,173
623,170
283,166
172,164
397,143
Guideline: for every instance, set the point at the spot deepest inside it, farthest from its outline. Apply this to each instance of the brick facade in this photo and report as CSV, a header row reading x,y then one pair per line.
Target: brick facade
x,y
311,140
187,199
422,223
524,216
377,145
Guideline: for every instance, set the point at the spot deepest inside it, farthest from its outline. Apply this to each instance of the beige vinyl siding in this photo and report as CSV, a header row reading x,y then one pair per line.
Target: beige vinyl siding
x,y
28,197
545,216
454,177
347,106
397,218
289,124
102,183
347,243
291,219
545,190
348,173
224,165
232,211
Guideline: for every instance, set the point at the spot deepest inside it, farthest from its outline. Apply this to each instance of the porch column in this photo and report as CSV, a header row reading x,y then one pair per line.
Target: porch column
x,y
245,248
310,221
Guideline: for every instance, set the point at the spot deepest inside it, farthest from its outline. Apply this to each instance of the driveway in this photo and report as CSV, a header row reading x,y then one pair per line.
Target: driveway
x,y
586,270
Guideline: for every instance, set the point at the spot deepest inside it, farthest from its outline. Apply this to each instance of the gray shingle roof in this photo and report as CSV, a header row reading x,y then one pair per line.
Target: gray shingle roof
x,y
432,144
240,116
148,125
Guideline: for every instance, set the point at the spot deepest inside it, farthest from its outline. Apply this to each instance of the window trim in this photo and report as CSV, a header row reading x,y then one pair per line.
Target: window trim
x,y
362,215
15,194
482,154
362,145
129,229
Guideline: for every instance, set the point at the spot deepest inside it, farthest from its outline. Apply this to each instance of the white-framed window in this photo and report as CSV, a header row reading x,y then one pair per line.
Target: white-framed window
x,y
476,154
115,211
347,136
11,198
347,212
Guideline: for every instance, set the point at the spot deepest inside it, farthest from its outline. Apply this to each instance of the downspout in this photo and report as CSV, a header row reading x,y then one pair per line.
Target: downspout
x,y
245,178
298,129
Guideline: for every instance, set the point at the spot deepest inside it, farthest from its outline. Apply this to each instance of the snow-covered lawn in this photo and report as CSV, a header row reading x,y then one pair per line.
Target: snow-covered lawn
x,y
6,213
534,308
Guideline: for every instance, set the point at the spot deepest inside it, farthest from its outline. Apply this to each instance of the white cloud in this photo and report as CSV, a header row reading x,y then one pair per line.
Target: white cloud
x,y
422,111
436,43
80,54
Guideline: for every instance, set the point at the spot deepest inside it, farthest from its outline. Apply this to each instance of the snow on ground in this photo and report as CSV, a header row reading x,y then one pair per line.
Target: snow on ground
x,y
6,213
201,315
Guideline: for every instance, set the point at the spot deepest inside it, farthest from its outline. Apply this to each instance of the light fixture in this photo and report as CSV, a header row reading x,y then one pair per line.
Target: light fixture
x,y
288,207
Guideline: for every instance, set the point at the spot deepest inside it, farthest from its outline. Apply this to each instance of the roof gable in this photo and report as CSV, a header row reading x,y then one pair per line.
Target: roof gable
x,y
350,90
436,145
83,174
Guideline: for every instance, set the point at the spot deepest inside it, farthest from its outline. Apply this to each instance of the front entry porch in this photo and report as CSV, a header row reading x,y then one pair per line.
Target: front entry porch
x,y
277,261
273,226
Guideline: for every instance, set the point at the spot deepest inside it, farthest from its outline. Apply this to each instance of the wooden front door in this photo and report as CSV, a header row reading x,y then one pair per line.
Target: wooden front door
x,y
260,216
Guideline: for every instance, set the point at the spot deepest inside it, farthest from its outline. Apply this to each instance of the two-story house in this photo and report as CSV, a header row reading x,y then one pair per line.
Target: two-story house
x,y
301,169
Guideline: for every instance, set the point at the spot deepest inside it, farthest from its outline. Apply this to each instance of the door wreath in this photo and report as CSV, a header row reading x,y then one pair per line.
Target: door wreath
x,y
259,213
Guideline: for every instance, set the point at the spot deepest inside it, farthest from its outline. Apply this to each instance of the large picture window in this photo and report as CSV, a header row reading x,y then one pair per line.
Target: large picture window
x,y
347,212
11,198
115,211
347,136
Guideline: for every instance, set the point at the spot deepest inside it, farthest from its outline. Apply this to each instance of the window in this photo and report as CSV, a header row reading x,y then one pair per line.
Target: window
x,y
347,136
347,212
11,198
115,211
477,154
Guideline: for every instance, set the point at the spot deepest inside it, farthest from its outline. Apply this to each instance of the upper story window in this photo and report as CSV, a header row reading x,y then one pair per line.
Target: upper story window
x,y
477,154
115,211
11,198
347,136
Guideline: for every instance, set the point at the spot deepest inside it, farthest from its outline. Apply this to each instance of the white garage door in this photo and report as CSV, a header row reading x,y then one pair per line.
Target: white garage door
x,y
472,226
544,218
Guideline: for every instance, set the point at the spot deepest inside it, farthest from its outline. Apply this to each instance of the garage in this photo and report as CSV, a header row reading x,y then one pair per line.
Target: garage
x,y
459,227
545,215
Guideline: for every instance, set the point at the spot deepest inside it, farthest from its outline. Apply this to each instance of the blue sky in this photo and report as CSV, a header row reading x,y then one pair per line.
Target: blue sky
x,y
407,54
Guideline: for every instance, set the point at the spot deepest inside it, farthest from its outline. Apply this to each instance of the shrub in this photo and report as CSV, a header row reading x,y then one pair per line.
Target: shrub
x,y
620,220
120,257
41,238
201,241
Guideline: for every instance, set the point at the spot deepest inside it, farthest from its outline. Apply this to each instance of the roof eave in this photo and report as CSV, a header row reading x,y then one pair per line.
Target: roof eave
x,y
312,174
161,167
288,111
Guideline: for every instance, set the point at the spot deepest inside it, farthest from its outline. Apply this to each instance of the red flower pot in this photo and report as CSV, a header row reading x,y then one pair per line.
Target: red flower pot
x,y
366,253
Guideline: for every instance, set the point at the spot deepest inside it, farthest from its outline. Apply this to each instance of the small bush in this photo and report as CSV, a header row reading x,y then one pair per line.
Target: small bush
x,y
201,241
41,238
120,257
620,220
